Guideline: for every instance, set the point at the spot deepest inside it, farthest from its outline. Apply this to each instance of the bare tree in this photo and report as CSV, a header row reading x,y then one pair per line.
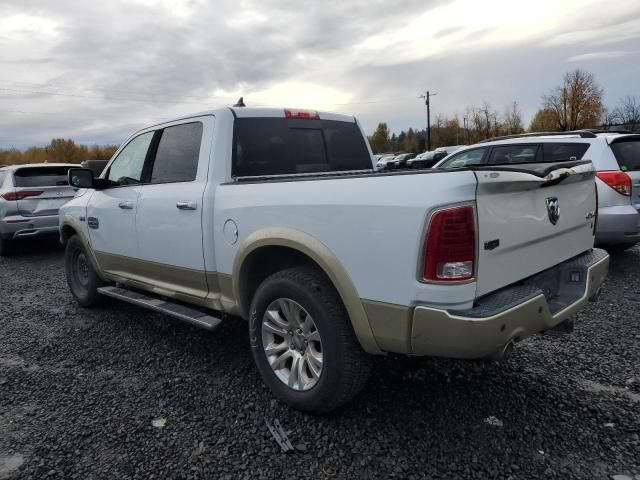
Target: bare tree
x,y
627,114
512,119
577,103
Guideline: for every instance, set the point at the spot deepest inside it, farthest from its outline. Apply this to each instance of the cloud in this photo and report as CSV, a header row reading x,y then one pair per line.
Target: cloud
x,y
97,70
585,57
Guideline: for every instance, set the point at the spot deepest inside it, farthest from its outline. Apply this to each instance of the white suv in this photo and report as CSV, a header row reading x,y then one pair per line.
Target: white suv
x,y
616,157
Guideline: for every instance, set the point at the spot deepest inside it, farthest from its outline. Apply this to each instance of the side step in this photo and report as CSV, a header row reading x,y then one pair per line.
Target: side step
x,y
186,314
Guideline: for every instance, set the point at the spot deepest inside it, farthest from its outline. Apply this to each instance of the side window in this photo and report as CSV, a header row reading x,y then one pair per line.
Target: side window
x,y
463,159
126,169
554,152
504,155
178,152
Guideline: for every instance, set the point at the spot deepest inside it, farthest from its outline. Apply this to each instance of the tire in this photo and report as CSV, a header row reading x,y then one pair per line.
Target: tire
x,y
82,279
6,247
619,248
344,366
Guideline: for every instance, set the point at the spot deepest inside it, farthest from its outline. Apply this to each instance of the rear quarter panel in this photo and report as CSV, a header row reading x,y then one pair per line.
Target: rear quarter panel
x,y
374,225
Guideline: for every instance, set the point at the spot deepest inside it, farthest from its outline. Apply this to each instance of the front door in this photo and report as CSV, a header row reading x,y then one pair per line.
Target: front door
x,y
169,216
111,212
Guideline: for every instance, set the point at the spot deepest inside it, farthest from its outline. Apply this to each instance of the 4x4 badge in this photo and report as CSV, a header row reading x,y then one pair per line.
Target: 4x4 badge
x,y
553,209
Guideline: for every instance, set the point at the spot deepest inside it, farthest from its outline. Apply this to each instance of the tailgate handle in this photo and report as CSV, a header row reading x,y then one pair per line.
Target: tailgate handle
x,y
126,205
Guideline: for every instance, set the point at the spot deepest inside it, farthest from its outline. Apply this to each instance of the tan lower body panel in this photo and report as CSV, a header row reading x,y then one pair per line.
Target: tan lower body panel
x,y
184,284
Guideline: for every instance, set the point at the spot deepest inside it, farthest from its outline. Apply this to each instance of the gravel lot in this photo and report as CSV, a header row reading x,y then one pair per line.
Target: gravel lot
x,y
79,390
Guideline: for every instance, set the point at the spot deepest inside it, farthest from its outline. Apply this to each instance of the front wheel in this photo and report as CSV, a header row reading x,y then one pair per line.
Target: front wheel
x,y
81,276
303,343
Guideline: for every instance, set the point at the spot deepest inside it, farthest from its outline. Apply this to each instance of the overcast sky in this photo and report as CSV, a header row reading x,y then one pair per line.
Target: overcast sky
x,y
97,71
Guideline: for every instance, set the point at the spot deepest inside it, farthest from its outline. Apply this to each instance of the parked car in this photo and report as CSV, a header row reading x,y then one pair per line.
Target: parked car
x,y
442,152
30,196
616,157
96,165
289,228
423,160
386,162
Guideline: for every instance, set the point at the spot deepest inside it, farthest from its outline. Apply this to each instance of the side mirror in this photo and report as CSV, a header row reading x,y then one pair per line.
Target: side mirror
x,y
81,178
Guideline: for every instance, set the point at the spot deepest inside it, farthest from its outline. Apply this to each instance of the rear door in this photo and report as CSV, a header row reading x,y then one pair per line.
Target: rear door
x,y
42,190
169,212
531,217
627,152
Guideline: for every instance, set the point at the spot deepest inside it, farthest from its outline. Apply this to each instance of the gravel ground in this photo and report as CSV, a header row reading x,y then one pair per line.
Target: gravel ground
x,y
81,389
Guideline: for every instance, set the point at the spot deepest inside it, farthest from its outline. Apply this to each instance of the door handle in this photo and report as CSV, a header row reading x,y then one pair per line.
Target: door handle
x,y
126,205
187,205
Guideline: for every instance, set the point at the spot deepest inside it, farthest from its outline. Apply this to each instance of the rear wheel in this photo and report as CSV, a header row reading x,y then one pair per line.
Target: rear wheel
x,y
303,343
619,248
81,276
6,247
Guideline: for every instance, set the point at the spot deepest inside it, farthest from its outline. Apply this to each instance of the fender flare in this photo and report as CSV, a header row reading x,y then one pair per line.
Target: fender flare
x,y
325,259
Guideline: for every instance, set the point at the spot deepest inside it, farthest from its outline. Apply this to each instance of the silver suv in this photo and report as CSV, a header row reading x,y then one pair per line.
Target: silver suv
x,y
615,155
30,196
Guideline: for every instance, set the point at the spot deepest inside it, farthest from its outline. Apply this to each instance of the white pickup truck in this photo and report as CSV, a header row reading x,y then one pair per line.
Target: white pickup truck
x,y
277,216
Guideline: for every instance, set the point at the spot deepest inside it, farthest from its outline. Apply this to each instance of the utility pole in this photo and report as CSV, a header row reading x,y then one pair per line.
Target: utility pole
x,y
427,95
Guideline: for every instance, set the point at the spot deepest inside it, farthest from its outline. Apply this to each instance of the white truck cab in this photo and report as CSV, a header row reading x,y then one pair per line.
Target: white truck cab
x,y
278,217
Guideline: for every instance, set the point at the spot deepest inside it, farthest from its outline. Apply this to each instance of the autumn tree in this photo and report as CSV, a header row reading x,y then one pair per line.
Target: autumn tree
x,y
577,103
627,114
543,121
380,140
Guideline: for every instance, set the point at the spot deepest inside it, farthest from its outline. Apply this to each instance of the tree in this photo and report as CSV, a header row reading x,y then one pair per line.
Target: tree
x,y
512,120
380,140
543,121
627,114
61,151
577,103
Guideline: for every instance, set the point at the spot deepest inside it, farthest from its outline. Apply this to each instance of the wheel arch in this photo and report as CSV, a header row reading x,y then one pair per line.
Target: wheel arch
x,y
269,250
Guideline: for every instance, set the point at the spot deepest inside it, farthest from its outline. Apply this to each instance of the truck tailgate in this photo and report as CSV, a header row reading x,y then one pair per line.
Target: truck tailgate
x,y
531,217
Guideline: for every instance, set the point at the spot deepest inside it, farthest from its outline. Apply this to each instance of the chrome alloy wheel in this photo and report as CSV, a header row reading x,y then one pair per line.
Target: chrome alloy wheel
x,y
292,344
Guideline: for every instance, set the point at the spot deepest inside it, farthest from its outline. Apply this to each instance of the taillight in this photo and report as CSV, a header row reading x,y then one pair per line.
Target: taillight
x,y
450,246
295,113
22,194
619,181
595,220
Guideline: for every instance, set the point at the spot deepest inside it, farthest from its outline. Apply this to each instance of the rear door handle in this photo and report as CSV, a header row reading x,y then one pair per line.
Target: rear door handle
x,y
187,205
126,205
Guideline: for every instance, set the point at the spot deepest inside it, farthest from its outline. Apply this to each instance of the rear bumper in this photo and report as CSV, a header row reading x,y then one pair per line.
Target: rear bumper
x,y
17,227
511,314
618,224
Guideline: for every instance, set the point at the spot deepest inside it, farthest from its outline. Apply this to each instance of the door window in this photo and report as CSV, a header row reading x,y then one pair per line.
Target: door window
x,y
178,152
466,158
507,154
126,169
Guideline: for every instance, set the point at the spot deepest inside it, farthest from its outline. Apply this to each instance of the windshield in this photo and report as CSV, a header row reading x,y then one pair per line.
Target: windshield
x,y
41,177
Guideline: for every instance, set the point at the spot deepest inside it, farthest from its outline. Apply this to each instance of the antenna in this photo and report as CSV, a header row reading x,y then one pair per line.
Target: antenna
x,y
240,103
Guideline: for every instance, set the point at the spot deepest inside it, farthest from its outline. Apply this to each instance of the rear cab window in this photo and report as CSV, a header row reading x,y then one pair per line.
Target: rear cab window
x,y
282,146
627,153
41,177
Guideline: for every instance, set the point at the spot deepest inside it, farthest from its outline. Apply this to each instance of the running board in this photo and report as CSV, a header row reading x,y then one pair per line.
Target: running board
x,y
186,314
